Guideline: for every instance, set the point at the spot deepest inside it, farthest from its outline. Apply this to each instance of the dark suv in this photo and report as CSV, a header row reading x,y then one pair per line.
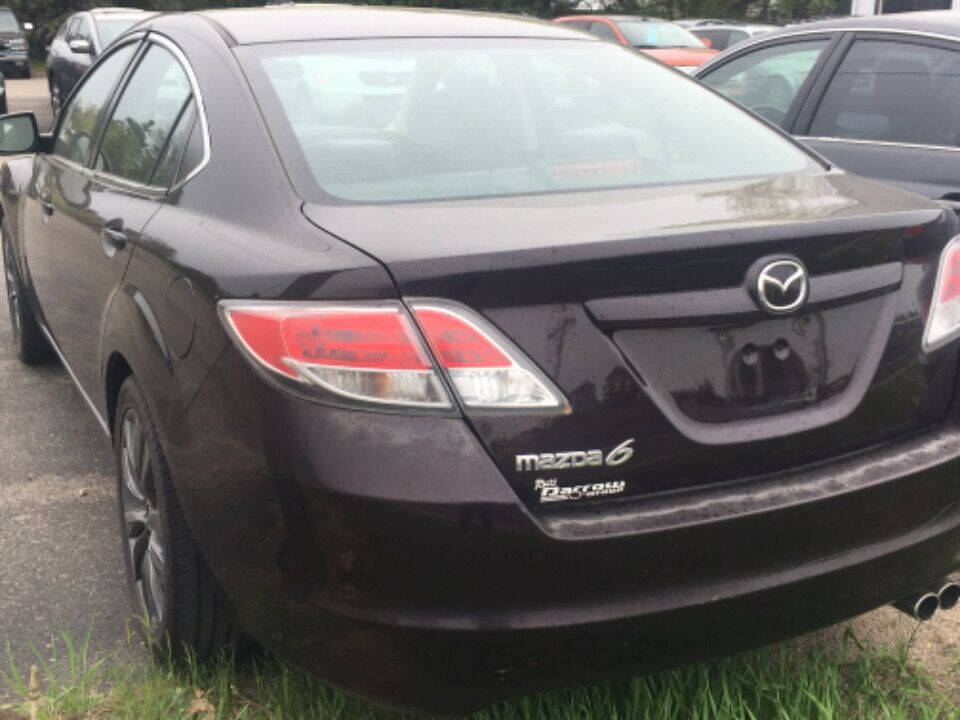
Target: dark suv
x,y
80,39
13,44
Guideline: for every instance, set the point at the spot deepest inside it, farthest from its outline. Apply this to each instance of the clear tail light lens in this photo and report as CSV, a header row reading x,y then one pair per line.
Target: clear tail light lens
x,y
373,353
368,353
486,369
943,323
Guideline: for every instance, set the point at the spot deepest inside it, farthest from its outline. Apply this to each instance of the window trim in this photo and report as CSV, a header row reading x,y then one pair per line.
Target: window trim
x,y
882,143
201,109
892,35
152,191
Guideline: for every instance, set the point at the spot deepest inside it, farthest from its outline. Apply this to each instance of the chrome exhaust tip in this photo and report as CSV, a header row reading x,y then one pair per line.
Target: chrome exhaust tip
x,y
919,606
949,594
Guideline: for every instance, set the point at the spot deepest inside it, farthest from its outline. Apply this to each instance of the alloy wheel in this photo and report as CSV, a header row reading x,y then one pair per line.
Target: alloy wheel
x,y
143,530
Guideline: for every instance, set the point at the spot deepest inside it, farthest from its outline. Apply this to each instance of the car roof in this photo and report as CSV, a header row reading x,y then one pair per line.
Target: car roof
x,y
938,22
288,23
731,26
620,18
118,11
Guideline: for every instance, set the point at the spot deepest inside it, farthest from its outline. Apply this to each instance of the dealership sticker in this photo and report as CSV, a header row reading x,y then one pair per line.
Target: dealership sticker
x,y
550,491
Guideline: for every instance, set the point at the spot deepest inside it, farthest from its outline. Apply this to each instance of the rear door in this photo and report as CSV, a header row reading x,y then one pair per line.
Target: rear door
x,y
890,111
124,185
71,273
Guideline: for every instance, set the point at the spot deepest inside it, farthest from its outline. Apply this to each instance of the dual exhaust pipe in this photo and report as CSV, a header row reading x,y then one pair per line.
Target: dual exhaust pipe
x,y
923,605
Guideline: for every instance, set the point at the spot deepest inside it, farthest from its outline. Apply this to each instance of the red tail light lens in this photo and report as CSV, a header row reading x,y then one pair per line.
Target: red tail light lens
x,y
943,323
486,369
369,353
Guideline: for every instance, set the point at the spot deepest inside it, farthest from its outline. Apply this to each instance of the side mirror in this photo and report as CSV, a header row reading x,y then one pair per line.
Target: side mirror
x,y
81,46
28,26
18,133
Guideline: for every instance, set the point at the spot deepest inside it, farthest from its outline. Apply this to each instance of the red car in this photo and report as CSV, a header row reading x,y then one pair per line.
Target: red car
x,y
667,42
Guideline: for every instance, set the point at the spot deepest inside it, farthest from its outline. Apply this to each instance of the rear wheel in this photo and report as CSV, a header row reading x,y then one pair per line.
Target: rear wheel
x,y
28,340
25,73
174,592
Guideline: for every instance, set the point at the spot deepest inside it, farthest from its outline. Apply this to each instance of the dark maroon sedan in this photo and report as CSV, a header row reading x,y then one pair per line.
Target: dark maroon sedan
x,y
457,356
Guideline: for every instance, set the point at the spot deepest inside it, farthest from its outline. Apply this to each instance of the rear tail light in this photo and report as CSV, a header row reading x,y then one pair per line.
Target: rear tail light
x,y
368,353
486,369
943,323
372,353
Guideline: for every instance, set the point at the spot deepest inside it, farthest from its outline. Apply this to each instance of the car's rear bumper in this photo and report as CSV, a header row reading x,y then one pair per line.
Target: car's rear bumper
x,y
387,552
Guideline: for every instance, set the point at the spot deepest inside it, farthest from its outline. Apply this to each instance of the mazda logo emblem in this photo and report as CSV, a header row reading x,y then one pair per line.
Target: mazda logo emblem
x,y
781,286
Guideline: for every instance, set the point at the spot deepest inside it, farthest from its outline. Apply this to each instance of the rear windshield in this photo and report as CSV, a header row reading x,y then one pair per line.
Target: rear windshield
x,y
110,29
402,120
657,35
8,23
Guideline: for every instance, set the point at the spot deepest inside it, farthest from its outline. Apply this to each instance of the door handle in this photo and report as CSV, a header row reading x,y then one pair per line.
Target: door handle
x,y
113,240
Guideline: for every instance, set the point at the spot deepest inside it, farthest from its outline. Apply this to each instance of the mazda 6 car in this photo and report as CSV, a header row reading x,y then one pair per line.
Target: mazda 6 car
x,y
453,356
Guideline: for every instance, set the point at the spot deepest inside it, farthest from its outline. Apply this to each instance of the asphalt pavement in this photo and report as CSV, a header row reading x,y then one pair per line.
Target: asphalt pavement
x,y
61,568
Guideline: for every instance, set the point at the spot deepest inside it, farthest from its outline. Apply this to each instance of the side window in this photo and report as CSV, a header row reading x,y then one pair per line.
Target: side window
x,y
194,152
601,29
72,27
82,116
767,80
736,36
719,39
578,25
168,167
893,92
151,104
82,31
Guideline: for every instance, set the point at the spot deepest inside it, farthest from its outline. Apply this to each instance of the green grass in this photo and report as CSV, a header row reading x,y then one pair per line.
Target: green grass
x,y
783,683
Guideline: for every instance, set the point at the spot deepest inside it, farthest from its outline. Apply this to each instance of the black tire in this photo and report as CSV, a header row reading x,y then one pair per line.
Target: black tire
x,y
28,341
25,73
173,591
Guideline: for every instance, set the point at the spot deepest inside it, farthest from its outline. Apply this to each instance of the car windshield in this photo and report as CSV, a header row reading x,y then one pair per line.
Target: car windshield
x,y
643,34
8,23
111,28
401,120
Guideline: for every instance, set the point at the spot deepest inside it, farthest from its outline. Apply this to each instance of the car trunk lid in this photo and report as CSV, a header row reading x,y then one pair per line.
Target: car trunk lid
x,y
635,303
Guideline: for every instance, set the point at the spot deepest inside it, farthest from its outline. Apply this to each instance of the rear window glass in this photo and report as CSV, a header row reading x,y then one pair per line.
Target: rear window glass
x,y
658,35
417,120
111,28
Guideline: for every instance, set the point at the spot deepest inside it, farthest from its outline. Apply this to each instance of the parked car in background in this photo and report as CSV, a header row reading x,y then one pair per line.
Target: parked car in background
x,y
879,96
471,355
667,42
14,58
722,34
81,38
